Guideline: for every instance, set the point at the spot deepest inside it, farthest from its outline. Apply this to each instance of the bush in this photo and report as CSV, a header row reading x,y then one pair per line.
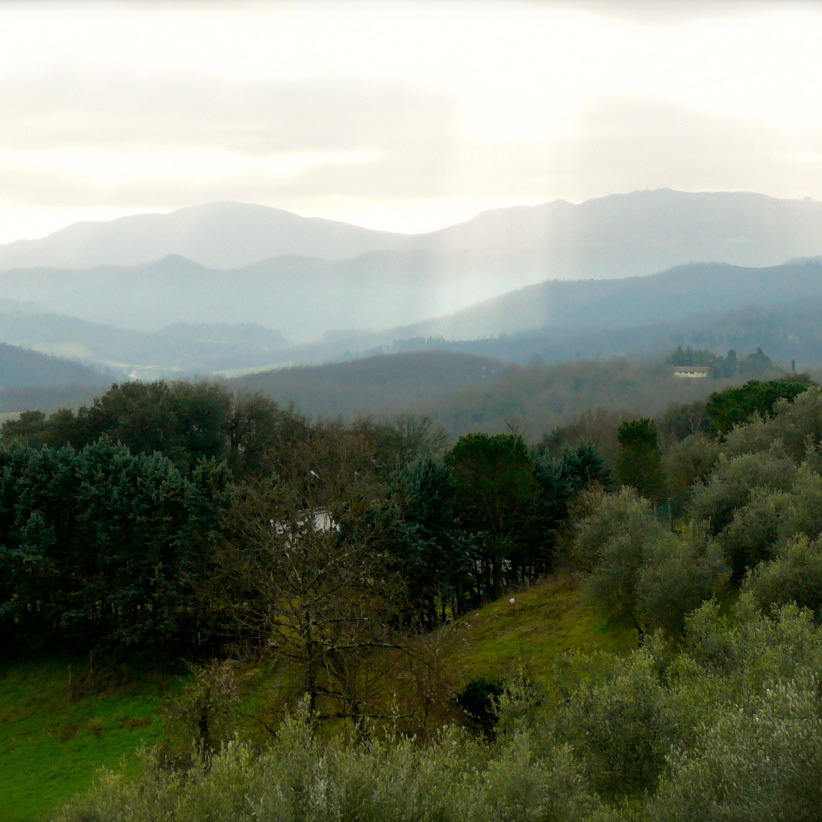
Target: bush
x,y
480,700
794,575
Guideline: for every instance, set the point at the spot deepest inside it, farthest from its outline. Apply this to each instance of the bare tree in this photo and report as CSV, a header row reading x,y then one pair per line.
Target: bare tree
x,y
311,587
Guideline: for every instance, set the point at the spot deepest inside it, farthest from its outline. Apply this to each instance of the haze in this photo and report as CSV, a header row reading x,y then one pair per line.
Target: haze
x,y
405,116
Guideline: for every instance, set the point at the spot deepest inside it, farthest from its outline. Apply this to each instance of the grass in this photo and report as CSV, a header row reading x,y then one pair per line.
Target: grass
x,y
59,724
526,631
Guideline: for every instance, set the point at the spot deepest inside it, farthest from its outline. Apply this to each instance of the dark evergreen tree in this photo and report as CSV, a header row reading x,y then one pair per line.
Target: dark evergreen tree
x,y
497,494
734,406
433,556
639,461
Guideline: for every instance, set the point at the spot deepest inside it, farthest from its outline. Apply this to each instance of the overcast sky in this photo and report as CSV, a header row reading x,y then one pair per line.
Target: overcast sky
x,y
399,115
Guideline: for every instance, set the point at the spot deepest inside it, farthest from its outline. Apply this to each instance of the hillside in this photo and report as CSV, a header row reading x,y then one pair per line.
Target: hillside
x,y
535,399
21,368
377,385
60,720
464,393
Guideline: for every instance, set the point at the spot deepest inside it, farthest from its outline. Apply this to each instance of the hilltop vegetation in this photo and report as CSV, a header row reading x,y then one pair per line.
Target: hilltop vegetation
x,y
348,588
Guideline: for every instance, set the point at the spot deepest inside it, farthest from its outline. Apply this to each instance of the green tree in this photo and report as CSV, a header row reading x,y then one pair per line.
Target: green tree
x,y
497,493
734,406
101,547
732,482
793,575
433,556
639,461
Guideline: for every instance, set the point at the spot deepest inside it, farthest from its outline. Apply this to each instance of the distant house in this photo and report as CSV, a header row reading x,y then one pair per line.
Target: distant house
x,y
691,372
311,520
322,519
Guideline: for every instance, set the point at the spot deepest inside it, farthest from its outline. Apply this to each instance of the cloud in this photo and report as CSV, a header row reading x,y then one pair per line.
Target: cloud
x,y
615,144
677,12
639,143
123,111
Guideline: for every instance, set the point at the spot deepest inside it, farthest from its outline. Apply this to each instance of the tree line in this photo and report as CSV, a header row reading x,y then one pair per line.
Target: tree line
x,y
179,517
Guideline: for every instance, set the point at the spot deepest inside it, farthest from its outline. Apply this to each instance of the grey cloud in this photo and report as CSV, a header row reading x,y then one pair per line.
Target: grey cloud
x,y
677,11
656,144
615,145
121,111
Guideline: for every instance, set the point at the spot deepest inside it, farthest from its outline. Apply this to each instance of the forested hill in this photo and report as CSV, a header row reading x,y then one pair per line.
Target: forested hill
x,y
464,393
671,295
379,385
20,368
567,320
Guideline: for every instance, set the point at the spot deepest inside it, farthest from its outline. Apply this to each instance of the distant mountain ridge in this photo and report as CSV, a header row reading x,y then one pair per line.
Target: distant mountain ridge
x,y
190,350
627,260
614,236
20,368
227,235
389,280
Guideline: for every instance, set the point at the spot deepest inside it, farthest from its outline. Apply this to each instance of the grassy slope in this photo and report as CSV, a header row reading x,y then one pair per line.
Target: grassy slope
x,y
528,634
58,726
53,737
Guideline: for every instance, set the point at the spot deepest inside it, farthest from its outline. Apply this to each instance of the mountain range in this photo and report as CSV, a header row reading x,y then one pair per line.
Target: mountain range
x,y
226,286
615,236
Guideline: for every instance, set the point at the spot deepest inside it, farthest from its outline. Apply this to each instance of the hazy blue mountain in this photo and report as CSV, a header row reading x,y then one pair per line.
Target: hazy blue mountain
x,y
616,236
639,233
21,368
301,296
178,350
606,304
562,320
224,235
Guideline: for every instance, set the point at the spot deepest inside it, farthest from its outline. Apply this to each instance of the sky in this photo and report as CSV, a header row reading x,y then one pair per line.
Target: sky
x,y
400,115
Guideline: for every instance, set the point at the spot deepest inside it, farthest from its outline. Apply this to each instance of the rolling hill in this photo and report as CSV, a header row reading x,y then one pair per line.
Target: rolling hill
x,y
380,385
178,350
20,368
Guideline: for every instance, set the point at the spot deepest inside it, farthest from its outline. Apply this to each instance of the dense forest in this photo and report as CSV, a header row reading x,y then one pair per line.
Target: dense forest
x,y
184,520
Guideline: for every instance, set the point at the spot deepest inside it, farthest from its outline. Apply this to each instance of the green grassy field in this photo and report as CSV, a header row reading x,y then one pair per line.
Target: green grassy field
x,y
527,635
59,725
